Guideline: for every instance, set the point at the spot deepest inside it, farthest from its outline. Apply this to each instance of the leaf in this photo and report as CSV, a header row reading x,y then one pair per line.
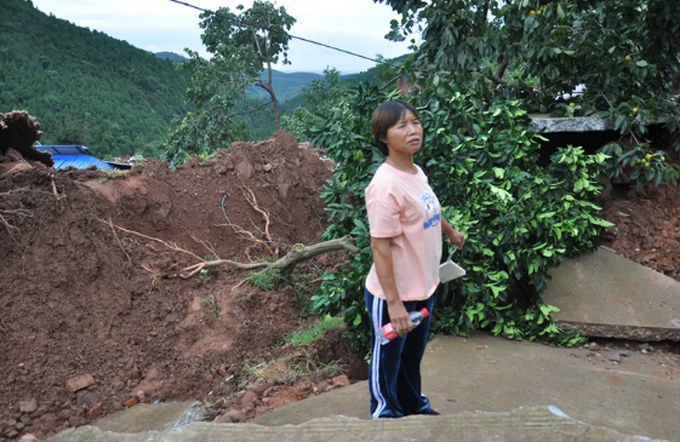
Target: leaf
x,y
357,320
642,63
601,222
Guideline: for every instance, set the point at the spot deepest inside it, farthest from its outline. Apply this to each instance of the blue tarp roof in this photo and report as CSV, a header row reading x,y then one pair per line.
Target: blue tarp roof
x,y
74,156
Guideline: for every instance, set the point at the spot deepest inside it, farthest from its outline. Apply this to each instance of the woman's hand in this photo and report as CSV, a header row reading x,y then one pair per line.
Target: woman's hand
x,y
457,238
400,318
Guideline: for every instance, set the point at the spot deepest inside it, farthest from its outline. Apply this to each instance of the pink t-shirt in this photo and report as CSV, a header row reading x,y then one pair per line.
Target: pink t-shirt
x,y
403,207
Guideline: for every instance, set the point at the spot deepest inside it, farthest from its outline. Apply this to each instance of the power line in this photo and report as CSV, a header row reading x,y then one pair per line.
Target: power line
x,y
306,40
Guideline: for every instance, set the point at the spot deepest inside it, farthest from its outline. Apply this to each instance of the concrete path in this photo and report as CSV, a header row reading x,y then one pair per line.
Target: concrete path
x,y
538,424
152,417
603,294
640,396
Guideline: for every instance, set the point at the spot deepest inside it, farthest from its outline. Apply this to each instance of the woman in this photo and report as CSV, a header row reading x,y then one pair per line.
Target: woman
x,y
406,227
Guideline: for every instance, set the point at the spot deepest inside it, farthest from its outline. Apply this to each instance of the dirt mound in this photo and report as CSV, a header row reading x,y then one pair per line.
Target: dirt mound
x,y
82,297
647,227
18,131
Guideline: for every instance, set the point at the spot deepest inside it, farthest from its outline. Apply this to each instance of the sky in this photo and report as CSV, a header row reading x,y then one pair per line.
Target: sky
x,y
160,25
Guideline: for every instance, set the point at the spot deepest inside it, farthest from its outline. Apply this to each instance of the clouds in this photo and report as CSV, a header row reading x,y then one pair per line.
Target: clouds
x,y
160,25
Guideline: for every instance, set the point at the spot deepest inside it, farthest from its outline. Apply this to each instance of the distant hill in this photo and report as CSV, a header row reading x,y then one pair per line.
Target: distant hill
x,y
286,85
170,56
376,74
84,86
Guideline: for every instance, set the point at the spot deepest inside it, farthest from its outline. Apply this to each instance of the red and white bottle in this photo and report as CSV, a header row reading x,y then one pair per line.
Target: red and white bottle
x,y
387,332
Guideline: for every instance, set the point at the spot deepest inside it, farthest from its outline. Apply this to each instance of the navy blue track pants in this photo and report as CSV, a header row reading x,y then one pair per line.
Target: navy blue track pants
x,y
394,370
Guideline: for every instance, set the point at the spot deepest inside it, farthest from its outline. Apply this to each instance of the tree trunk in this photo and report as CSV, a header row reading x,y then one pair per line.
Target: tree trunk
x,y
277,115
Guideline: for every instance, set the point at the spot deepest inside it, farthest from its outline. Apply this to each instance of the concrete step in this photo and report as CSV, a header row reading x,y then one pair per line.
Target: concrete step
x,y
639,396
151,417
602,294
527,424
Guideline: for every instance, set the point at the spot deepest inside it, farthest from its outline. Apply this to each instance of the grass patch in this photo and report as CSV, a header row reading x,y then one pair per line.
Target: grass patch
x,y
267,280
211,304
306,337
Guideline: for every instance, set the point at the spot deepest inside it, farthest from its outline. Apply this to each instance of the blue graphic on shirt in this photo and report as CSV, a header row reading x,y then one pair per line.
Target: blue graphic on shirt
x,y
432,210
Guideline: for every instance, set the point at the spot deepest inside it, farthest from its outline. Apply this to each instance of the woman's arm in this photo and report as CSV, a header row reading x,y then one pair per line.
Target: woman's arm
x,y
384,266
456,237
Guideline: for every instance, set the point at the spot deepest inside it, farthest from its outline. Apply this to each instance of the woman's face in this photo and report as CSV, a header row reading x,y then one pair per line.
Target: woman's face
x,y
406,136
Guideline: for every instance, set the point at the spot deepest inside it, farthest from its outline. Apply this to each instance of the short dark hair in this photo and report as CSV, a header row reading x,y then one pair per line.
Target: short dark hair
x,y
385,116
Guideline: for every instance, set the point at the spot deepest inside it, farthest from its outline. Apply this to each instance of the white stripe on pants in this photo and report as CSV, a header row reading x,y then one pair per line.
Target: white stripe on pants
x,y
378,306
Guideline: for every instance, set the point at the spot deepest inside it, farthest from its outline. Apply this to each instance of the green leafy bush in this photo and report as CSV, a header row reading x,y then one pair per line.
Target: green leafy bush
x,y
521,219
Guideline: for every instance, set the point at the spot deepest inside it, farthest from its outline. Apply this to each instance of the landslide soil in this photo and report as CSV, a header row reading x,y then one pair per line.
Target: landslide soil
x,y
647,227
79,296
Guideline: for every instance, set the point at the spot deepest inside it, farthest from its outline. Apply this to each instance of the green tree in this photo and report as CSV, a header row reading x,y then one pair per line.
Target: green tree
x,y
215,89
250,41
318,101
624,51
482,66
70,135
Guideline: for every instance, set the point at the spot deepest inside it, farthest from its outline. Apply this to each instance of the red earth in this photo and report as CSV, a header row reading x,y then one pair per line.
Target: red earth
x,y
82,297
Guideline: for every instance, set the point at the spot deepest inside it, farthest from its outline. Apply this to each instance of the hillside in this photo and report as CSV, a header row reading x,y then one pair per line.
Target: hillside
x,y
88,88
84,86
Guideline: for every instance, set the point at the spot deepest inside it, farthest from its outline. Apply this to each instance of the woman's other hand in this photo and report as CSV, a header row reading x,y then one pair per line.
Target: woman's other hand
x,y
457,238
400,318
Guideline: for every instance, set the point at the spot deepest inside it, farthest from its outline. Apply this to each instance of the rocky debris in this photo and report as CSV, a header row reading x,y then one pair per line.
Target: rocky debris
x,y
645,348
232,416
130,402
28,406
340,381
616,357
79,382
248,399
87,399
95,410
29,438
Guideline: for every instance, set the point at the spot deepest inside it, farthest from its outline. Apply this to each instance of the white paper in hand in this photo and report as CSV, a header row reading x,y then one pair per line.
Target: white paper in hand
x,y
449,270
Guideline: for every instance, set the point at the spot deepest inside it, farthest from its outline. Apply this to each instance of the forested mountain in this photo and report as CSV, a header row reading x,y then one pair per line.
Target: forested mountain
x,y
84,86
170,56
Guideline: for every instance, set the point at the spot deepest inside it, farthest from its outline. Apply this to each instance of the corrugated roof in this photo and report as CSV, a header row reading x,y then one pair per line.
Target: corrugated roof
x,y
74,156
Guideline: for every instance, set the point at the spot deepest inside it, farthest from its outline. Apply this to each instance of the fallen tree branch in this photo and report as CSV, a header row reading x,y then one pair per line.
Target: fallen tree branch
x,y
171,246
252,200
298,253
